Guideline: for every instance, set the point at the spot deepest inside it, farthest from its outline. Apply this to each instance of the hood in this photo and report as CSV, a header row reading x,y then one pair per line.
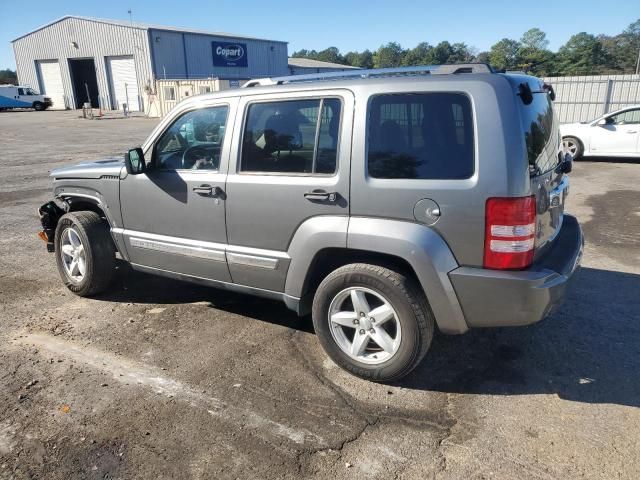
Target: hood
x,y
97,169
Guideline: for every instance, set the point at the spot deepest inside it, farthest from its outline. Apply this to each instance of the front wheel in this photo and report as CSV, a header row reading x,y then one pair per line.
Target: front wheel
x,y
85,253
38,106
573,146
372,321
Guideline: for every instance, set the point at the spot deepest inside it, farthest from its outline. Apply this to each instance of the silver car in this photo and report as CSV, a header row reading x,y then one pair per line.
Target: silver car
x,y
383,202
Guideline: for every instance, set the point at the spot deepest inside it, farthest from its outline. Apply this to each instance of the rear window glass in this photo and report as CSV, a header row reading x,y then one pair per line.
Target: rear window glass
x,y
540,132
420,136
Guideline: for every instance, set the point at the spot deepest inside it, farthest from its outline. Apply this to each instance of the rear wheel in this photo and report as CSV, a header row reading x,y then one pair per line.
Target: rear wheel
x,y
372,321
574,146
85,253
38,106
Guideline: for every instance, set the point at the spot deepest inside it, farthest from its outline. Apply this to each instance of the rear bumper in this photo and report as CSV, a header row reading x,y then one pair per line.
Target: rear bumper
x,y
493,298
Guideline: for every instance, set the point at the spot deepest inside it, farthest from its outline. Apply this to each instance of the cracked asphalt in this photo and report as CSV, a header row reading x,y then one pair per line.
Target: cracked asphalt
x,y
161,379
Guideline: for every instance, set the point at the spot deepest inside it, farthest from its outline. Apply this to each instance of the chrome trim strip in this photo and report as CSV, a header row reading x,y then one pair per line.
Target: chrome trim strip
x,y
258,252
252,261
236,255
198,252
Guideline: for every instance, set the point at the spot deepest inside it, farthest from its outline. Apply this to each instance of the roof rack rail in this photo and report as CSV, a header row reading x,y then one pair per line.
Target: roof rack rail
x,y
374,72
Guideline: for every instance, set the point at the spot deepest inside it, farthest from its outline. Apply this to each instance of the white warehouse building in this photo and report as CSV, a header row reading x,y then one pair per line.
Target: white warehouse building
x,y
75,60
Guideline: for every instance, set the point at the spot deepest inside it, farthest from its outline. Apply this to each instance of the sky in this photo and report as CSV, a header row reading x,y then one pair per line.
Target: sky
x,y
348,25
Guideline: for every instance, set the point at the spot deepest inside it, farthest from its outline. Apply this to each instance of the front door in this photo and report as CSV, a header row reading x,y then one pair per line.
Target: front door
x,y
291,164
619,134
174,213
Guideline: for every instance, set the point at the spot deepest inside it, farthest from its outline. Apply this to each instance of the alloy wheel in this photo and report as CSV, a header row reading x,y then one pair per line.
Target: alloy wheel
x,y
364,325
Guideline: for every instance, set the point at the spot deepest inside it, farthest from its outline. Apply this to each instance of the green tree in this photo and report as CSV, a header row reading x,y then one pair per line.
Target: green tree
x,y
460,53
534,39
482,57
420,55
583,54
360,59
625,48
441,53
8,77
331,54
389,55
505,54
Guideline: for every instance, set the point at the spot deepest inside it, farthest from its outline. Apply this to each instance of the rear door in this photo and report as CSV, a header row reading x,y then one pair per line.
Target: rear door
x,y
544,152
291,164
618,135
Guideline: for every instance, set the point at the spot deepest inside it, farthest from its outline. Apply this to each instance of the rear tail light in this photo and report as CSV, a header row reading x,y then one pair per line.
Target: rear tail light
x,y
510,229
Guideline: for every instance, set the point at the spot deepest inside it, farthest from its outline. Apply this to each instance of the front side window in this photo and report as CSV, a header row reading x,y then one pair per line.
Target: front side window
x,y
297,136
420,136
625,118
194,141
21,91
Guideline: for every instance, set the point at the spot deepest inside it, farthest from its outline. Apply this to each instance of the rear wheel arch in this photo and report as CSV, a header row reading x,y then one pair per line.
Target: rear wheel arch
x,y
327,260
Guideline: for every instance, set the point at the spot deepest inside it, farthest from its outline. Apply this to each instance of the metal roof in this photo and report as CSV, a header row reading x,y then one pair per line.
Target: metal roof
x,y
309,63
147,26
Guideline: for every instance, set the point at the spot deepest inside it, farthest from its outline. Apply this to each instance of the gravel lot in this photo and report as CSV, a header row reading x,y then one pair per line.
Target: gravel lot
x,y
159,379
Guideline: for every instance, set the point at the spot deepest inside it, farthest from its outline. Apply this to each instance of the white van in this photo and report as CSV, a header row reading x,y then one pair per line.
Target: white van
x,y
16,96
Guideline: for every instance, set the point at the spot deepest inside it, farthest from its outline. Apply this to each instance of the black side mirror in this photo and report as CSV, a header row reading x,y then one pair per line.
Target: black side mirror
x,y
134,161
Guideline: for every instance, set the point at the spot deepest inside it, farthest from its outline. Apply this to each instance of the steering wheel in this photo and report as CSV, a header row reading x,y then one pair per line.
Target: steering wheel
x,y
194,153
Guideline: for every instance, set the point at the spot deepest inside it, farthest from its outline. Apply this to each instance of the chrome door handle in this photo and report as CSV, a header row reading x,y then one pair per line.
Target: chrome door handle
x,y
321,196
208,190
203,190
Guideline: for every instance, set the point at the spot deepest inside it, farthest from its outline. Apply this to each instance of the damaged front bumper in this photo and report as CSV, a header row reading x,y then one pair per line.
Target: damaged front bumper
x,y
49,214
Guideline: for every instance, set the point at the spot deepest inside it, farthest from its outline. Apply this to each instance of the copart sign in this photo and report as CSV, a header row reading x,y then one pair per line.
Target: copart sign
x,y
229,54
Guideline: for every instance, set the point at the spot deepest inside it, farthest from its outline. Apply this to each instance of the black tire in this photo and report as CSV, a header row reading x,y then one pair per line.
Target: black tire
x,y
38,106
407,299
99,252
578,145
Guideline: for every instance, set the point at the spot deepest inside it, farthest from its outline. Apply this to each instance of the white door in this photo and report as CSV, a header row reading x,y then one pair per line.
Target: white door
x,y
619,134
51,82
124,83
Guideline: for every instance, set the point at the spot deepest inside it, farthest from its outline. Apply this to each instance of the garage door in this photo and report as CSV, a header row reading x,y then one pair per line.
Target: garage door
x,y
51,82
124,83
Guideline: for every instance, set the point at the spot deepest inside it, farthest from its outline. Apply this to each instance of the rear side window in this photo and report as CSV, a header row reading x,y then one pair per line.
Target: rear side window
x,y
294,136
420,136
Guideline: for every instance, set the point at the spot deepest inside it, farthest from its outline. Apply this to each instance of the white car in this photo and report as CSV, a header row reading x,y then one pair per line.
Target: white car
x,y
615,134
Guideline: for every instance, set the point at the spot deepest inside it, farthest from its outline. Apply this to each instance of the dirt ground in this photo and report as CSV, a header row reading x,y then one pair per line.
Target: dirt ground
x,y
160,379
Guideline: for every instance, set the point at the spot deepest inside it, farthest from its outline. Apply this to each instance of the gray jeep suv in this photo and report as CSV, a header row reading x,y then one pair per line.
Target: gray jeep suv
x,y
384,202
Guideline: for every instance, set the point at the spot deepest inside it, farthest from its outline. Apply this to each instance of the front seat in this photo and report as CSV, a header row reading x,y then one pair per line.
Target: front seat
x,y
282,137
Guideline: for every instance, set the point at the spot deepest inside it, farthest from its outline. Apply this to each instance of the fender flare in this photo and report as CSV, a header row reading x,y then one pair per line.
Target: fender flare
x,y
421,246
94,197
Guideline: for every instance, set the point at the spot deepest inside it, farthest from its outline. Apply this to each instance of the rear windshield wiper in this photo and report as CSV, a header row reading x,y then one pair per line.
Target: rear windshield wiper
x,y
526,94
